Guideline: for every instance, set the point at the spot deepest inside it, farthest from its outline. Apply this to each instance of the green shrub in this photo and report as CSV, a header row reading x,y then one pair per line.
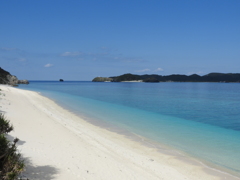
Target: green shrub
x,y
5,126
11,163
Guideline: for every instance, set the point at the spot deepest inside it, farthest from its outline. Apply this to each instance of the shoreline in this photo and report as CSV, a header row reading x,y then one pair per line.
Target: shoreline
x,y
62,145
161,148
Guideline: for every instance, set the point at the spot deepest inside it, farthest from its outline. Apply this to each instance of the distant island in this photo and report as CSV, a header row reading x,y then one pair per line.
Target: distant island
x,y
211,77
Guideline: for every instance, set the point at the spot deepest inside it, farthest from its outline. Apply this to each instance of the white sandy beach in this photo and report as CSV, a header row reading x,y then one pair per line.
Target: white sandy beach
x,y
57,144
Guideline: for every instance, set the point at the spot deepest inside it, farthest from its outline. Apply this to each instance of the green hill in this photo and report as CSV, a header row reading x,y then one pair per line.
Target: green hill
x,y
211,77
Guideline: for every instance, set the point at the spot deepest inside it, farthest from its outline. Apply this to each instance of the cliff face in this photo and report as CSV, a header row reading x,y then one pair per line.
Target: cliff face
x,y
12,80
7,78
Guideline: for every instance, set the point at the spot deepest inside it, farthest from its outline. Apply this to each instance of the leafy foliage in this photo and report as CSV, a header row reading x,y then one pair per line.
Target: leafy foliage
x,y
11,163
5,126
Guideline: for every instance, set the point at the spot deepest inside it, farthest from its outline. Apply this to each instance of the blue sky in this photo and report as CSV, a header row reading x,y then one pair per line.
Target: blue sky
x,y
82,39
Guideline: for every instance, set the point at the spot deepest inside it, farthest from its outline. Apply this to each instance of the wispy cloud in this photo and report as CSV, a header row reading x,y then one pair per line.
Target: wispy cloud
x,y
13,59
143,70
71,54
48,65
102,56
14,54
22,54
159,69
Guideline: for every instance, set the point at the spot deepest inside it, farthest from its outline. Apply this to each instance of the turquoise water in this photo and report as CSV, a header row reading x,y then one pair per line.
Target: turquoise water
x,y
200,119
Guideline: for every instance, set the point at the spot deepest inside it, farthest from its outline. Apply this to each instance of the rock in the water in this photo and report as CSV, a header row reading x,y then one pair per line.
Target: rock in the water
x,y
61,80
23,81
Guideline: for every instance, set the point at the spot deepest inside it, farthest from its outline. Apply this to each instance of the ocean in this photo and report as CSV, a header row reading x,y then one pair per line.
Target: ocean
x,y
201,120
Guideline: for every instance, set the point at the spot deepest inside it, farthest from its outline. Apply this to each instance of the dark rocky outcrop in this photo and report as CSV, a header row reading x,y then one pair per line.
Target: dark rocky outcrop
x,y
61,80
3,76
211,77
7,78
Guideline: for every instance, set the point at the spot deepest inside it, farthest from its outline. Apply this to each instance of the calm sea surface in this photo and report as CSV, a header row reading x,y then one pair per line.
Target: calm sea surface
x,y
200,119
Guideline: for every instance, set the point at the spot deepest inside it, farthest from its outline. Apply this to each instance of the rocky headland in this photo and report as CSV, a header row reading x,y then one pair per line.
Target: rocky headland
x,y
7,78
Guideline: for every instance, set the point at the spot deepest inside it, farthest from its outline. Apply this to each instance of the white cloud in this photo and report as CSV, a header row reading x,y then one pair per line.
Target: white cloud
x,y
71,54
143,70
159,69
48,65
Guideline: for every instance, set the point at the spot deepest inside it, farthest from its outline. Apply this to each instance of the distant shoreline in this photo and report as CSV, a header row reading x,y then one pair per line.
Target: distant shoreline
x,y
155,78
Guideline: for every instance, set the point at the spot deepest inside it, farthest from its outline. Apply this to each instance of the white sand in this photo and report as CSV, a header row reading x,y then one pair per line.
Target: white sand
x,y
60,145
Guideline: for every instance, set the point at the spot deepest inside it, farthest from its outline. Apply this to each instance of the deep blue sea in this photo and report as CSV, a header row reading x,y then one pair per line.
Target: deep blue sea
x,y
200,119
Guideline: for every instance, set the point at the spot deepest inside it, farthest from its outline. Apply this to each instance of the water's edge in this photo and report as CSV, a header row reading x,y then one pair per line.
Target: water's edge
x,y
161,148
192,141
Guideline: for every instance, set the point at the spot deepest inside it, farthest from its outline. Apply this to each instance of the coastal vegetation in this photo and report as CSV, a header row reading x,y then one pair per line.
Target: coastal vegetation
x,y
11,163
101,79
211,77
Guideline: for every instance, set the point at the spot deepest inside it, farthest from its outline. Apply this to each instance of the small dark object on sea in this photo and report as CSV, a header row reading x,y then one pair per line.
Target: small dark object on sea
x,y
61,80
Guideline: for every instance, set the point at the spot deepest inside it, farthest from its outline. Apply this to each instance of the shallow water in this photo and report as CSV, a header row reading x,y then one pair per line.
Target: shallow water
x,y
200,119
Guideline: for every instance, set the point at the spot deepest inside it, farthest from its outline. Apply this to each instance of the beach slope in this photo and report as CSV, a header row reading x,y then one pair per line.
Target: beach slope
x,y
57,144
